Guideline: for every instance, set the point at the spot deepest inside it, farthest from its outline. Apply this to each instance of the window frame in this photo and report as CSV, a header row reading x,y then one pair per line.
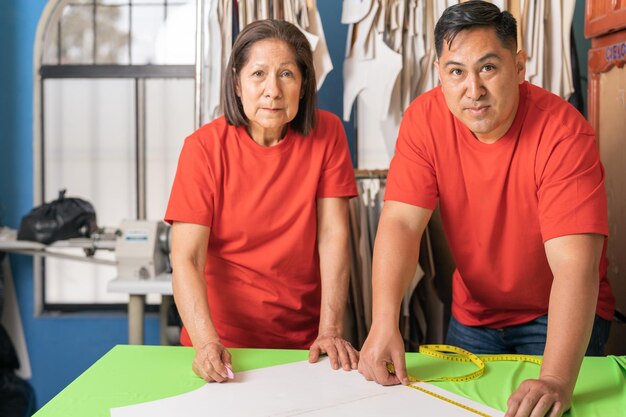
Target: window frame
x,y
139,73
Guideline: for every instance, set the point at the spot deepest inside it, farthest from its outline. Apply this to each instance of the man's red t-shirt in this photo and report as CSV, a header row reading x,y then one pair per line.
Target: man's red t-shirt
x,y
262,266
500,202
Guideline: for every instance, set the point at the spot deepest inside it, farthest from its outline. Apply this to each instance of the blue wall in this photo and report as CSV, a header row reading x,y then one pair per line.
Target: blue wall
x,y
62,347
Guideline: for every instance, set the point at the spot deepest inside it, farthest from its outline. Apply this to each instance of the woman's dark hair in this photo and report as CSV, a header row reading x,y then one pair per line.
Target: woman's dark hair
x,y
474,13
260,30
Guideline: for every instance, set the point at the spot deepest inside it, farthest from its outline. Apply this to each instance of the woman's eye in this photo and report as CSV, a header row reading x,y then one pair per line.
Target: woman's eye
x,y
489,67
456,71
257,73
286,74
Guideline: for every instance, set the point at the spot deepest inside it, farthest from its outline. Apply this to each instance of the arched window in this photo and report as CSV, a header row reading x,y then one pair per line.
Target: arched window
x,y
114,101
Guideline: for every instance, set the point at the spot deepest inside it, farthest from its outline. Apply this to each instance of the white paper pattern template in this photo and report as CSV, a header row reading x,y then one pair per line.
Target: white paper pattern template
x,y
303,389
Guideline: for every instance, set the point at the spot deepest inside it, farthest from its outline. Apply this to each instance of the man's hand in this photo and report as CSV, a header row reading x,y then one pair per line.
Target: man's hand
x,y
211,361
396,253
546,396
383,346
339,351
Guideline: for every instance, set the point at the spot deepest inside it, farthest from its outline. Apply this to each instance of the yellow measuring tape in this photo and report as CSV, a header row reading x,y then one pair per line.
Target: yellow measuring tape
x,y
457,354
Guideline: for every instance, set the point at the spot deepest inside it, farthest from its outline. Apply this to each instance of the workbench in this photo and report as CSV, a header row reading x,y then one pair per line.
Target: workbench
x,y
134,374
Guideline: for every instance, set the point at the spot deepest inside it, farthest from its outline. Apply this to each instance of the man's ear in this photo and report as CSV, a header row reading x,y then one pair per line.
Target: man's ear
x,y
436,64
520,63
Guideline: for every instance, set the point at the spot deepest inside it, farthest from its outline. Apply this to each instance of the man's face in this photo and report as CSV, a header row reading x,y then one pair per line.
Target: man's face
x,y
479,78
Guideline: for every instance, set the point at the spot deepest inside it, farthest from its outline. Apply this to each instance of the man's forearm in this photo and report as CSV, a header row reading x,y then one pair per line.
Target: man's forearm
x,y
570,322
574,261
396,255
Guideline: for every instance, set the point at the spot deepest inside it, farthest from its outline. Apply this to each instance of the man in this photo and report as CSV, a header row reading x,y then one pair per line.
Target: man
x,y
520,186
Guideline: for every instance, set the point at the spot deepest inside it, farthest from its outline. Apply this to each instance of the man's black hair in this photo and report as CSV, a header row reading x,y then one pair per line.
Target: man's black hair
x,y
475,13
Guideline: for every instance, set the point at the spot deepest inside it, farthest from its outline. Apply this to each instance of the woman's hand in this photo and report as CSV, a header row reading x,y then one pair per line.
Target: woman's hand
x,y
211,362
340,352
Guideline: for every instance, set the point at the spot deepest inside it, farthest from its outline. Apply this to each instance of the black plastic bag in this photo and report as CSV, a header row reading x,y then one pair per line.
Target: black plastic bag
x,y
60,219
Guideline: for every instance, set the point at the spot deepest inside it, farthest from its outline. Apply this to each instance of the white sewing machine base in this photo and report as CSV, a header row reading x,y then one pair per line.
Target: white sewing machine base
x,y
137,289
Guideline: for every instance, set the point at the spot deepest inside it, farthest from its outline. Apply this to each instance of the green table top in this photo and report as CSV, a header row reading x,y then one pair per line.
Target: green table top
x,y
134,374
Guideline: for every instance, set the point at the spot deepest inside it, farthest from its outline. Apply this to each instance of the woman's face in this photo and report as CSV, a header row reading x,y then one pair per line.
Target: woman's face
x,y
269,86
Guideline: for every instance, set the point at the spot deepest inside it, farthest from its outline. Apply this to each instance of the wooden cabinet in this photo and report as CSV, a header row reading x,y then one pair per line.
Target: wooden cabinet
x,y
604,16
607,115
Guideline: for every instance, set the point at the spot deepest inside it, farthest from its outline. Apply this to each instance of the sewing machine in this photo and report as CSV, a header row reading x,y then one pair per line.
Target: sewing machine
x,y
142,249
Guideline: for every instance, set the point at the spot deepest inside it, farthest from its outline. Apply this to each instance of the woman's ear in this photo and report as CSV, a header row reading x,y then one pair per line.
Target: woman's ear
x,y
236,84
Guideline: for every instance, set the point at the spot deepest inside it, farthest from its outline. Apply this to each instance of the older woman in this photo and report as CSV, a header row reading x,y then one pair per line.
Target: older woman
x,y
259,208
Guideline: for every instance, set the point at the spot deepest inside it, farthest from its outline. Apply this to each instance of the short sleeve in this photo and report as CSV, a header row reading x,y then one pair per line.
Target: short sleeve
x,y
571,193
337,175
192,199
412,178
